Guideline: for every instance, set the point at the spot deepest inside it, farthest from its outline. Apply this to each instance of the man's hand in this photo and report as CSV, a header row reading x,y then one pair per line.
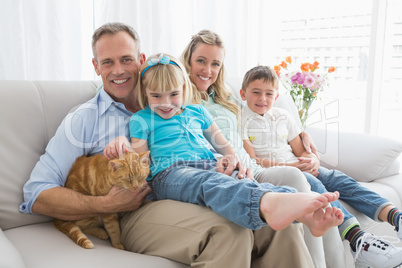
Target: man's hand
x,y
117,147
120,199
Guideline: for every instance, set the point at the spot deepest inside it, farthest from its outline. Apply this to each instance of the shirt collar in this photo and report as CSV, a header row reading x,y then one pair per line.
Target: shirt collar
x,y
105,102
211,97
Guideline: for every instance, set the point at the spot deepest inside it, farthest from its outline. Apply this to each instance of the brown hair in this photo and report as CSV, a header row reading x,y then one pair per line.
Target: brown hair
x,y
260,72
112,28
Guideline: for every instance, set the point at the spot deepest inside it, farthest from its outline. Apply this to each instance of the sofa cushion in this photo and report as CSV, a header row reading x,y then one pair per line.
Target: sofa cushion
x,y
13,257
363,157
43,246
30,113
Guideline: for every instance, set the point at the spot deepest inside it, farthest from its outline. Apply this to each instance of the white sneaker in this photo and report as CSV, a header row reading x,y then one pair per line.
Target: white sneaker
x,y
374,252
399,229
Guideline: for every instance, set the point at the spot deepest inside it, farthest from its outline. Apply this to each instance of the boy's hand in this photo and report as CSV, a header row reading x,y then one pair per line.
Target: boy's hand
x,y
117,147
309,165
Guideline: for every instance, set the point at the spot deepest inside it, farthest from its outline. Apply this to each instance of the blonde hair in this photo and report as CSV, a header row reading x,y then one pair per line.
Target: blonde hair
x,y
222,94
163,77
260,72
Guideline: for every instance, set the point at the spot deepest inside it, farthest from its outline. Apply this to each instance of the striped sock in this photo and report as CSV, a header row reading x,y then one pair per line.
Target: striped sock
x,y
352,235
393,217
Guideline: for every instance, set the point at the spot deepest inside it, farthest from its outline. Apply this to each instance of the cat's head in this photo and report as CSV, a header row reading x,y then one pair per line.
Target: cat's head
x,y
130,170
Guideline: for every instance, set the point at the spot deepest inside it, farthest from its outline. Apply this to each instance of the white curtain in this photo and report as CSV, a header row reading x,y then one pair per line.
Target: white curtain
x,y
51,40
45,39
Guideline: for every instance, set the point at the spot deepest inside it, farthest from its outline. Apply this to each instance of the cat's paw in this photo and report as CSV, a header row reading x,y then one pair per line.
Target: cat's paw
x,y
86,243
98,232
102,235
118,246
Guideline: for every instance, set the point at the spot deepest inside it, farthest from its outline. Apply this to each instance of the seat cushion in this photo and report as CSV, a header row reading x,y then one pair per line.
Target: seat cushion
x,y
42,245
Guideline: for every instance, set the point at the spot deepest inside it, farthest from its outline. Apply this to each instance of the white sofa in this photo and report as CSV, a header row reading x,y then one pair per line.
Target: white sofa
x,y
30,112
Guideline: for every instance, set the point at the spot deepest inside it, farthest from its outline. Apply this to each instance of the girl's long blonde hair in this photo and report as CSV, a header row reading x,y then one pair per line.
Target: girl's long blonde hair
x,y
163,77
222,94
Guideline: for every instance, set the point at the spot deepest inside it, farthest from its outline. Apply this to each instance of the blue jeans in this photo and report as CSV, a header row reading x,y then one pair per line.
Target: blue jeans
x,y
198,182
352,192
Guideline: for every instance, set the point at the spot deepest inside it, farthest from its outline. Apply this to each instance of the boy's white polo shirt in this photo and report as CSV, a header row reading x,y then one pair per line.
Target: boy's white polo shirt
x,y
270,134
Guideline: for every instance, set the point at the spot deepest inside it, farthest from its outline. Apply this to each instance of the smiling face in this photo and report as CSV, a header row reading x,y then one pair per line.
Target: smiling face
x,y
206,61
260,96
117,62
166,104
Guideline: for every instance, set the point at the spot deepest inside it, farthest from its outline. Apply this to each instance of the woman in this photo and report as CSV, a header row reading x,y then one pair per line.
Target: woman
x,y
203,59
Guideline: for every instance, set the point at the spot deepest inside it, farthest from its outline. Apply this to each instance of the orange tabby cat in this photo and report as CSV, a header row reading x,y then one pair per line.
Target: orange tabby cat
x,y
96,175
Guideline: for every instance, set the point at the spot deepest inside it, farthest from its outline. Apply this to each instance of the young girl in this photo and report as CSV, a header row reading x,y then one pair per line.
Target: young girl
x,y
183,167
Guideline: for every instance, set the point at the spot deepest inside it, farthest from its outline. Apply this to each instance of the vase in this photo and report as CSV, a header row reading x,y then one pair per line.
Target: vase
x,y
303,107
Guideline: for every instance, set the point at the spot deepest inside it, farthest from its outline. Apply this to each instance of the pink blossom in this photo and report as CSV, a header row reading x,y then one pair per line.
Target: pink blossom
x,y
309,81
295,78
300,79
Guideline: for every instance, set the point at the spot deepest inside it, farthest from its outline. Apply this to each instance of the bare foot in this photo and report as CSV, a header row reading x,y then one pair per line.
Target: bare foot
x,y
320,221
280,209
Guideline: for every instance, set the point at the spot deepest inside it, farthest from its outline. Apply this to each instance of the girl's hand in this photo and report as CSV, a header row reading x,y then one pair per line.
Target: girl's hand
x,y
249,174
117,147
229,163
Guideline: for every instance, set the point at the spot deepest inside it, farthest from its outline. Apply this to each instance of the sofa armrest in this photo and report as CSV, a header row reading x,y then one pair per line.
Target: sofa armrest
x,y
361,156
10,255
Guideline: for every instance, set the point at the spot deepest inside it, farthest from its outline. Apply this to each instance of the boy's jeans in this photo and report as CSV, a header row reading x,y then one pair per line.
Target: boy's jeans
x,y
198,182
352,192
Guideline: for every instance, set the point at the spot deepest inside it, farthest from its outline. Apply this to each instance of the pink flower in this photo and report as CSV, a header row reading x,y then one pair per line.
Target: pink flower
x,y
295,78
308,81
300,80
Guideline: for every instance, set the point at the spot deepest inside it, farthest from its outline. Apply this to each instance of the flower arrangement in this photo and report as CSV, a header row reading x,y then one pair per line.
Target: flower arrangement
x,y
304,85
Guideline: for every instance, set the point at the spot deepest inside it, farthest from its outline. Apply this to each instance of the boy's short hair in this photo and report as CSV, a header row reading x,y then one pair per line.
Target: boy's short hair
x,y
265,73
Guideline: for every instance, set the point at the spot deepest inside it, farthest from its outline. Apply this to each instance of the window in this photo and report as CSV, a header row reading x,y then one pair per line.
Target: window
x,y
344,38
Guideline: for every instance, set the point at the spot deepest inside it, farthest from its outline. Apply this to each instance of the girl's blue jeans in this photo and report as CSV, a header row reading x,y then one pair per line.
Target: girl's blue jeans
x,y
198,182
352,192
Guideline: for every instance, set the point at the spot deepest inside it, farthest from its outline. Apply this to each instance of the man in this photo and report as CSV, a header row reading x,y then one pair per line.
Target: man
x,y
178,231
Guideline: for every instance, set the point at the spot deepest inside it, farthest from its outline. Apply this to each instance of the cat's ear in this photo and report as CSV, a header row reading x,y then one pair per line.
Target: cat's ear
x,y
115,164
144,157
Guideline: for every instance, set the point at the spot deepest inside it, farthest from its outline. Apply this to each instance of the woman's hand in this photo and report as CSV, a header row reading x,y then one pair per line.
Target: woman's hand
x,y
117,147
308,144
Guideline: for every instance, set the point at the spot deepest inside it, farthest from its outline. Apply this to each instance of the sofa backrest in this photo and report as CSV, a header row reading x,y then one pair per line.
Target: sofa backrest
x,y
30,112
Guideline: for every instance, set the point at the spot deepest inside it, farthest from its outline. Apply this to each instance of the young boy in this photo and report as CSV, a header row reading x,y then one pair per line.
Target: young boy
x,y
271,136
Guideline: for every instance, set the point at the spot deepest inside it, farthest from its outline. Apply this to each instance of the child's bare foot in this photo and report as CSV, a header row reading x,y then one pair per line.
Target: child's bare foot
x,y
320,221
280,209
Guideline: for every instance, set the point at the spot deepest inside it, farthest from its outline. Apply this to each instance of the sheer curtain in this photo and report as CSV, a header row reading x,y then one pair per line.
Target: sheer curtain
x,y
51,40
45,40
167,26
